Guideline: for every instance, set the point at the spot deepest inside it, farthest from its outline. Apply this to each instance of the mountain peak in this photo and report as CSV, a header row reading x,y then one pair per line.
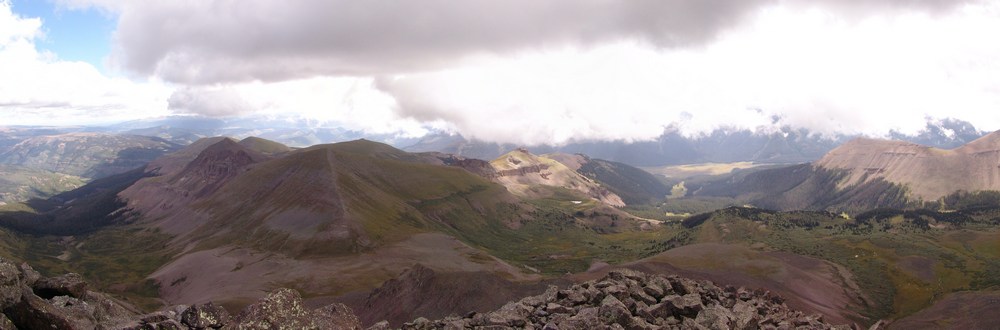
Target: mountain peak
x,y
215,165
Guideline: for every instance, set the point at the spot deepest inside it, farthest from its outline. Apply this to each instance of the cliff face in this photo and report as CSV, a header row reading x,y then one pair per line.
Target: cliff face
x,y
928,173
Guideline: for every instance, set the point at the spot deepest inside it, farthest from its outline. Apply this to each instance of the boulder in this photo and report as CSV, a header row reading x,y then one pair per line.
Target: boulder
x,y
613,311
10,284
715,317
586,318
29,274
336,316
33,312
71,284
511,314
6,324
384,325
283,309
687,305
205,316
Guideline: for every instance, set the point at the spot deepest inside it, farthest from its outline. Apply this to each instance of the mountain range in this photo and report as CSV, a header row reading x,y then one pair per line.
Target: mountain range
x,y
369,225
764,145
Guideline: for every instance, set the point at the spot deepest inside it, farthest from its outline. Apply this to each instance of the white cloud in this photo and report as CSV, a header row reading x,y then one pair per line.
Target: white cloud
x,y
350,102
554,71
811,67
39,89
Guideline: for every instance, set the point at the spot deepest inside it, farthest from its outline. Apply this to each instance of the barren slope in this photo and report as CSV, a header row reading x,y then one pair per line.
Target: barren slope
x,y
929,173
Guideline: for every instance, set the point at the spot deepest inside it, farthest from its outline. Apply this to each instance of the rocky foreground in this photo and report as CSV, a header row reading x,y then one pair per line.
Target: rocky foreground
x,y
624,299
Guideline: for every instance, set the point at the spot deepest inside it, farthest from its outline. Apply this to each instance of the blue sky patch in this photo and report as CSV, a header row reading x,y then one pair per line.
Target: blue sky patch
x,y
72,34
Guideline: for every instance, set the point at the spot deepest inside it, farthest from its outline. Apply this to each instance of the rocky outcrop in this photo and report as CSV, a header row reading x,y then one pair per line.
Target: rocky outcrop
x,y
30,301
475,166
627,299
281,309
71,284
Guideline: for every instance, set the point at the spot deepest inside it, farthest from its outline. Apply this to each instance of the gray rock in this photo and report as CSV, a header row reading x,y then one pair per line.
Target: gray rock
x,y
613,311
587,318
572,297
10,284
29,274
32,312
715,317
71,284
554,308
640,295
682,285
109,312
155,317
542,299
336,316
284,309
6,324
511,314
204,316
687,305
744,316
383,325
653,290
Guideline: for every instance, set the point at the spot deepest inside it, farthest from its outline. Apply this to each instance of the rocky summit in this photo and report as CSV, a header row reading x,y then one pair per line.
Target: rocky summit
x,y
626,299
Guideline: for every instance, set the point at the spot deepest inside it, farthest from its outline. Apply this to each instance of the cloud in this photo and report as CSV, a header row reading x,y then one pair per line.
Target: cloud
x,y
205,42
214,41
211,102
348,102
39,88
786,66
562,70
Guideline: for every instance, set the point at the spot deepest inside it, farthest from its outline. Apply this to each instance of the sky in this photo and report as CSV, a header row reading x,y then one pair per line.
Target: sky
x,y
516,71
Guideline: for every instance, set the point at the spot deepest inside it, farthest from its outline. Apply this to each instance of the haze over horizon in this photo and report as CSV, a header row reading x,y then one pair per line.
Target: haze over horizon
x,y
521,72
